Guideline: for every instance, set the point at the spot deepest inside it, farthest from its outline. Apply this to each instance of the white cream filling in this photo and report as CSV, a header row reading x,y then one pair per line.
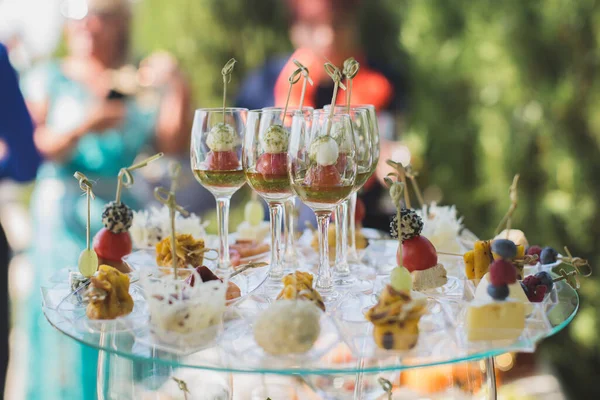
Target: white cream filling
x,y
429,278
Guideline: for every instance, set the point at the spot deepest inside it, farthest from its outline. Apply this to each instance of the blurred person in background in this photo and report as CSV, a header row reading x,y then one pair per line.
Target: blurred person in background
x,y
321,31
89,118
18,161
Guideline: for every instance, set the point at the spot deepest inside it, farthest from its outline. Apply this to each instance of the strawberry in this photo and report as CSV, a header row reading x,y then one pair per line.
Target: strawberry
x,y
502,272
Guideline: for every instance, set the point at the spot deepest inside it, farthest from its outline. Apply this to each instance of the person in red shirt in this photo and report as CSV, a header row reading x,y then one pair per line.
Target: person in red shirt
x,y
321,31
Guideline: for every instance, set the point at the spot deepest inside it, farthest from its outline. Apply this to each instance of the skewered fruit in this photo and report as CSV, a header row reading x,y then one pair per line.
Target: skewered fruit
x,y
548,255
498,292
502,272
504,248
534,250
418,254
546,279
401,279
477,261
88,262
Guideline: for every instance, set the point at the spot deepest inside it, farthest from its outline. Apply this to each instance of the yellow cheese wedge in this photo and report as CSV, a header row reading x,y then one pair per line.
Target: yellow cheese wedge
x,y
495,320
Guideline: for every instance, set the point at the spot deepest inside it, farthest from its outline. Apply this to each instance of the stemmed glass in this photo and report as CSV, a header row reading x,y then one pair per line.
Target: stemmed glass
x,y
216,151
353,258
366,163
322,170
291,257
265,162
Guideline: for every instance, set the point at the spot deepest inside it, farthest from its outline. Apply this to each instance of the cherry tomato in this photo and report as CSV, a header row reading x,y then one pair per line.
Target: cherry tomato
x,y
418,254
222,161
112,246
272,164
320,175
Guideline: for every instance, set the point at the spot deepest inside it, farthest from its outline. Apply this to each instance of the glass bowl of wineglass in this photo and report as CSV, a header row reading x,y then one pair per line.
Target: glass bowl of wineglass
x,y
216,150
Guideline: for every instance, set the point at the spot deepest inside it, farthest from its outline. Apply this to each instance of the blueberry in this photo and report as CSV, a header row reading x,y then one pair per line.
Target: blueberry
x,y
498,292
504,248
545,279
548,256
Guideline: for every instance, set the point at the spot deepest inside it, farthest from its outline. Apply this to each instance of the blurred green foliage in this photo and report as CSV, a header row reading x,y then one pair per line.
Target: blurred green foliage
x,y
497,88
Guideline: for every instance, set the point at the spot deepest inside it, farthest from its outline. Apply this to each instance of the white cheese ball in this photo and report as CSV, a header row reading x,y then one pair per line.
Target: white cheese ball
x,y
221,137
288,327
324,151
275,140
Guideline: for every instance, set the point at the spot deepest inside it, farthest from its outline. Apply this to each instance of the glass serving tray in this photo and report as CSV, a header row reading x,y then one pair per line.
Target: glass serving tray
x,y
345,345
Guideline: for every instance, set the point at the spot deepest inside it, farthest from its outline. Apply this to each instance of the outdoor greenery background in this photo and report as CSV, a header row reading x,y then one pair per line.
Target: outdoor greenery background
x,y
496,88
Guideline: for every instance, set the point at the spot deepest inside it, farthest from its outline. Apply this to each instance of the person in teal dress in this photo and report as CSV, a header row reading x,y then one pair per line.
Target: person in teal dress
x,y
90,118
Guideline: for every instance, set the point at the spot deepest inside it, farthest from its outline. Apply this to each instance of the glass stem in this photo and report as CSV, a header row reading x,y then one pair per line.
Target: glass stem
x,y
275,211
324,280
223,231
289,229
341,240
351,215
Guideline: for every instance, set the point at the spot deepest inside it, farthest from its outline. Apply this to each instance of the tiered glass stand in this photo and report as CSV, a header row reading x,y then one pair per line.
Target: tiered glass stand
x,y
131,365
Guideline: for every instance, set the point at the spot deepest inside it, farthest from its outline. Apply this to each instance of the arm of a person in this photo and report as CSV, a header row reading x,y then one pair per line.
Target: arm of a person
x,y
16,127
173,125
57,147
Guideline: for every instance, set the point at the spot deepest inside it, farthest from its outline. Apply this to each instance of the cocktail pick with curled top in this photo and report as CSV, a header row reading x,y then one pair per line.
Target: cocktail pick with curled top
x,y
307,79
350,69
88,259
167,197
226,71
125,178
335,74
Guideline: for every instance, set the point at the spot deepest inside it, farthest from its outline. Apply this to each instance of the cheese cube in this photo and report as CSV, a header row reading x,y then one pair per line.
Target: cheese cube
x,y
495,320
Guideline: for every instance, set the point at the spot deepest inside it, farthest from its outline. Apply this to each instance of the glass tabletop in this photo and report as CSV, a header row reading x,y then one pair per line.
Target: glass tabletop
x,y
345,344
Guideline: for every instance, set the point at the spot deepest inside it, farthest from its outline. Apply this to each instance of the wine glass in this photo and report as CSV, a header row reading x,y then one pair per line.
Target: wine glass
x,y
291,257
265,163
323,173
353,258
216,150
363,138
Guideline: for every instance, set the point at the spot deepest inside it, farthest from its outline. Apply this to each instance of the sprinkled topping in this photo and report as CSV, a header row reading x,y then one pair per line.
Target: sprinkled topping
x,y
221,138
275,140
324,151
117,217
